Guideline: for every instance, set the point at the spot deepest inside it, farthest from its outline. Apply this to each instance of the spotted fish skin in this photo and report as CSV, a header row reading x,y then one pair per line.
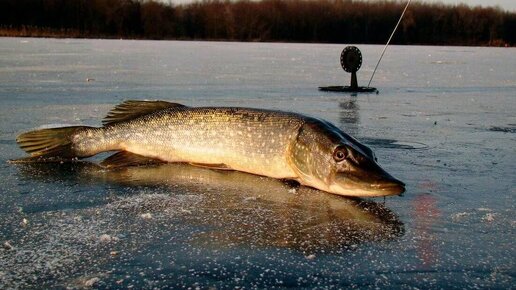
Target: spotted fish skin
x,y
250,140
272,143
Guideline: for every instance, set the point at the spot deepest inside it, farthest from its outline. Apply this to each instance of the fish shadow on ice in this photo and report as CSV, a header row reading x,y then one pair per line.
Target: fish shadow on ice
x,y
235,207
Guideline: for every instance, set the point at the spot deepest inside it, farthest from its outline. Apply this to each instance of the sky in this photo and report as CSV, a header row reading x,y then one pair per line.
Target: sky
x,y
504,4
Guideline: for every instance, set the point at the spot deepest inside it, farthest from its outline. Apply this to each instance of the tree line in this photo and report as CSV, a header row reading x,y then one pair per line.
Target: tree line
x,y
333,21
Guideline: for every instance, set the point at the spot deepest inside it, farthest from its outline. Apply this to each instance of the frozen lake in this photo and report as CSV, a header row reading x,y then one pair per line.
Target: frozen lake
x,y
444,122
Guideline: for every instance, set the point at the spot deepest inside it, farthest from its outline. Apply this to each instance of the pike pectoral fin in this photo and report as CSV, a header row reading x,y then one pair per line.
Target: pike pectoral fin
x,y
125,159
220,166
131,109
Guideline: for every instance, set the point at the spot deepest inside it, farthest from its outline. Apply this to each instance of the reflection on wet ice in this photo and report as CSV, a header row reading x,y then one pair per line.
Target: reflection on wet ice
x,y
349,116
235,207
426,213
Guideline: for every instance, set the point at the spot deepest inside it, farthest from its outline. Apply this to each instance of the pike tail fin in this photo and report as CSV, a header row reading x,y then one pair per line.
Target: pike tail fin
x,y
54,143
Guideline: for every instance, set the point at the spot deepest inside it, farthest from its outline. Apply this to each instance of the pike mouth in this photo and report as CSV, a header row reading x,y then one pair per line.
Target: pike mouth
x,y
365,189
390,188
372,182
366,192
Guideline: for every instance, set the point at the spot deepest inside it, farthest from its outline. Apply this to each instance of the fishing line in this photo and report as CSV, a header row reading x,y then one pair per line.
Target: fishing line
x,y
388,41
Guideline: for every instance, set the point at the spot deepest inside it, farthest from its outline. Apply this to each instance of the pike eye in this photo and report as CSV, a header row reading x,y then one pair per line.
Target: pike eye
x,y
340,154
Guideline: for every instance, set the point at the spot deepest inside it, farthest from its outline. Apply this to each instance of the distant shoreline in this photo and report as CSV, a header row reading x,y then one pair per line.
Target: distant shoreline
x,y
70,34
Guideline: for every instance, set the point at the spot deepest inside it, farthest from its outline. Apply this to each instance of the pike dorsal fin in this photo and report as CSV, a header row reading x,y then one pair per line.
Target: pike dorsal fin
x,y
125,159
132,109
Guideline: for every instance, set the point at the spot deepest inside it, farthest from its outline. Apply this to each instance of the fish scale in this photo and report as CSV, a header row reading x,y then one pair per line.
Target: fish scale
x,y
255,141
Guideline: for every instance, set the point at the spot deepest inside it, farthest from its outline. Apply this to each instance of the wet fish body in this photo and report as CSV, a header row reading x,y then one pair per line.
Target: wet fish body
x,y
255,141
265,142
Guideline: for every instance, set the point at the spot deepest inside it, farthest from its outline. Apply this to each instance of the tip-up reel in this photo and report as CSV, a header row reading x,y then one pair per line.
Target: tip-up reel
x,y
351,61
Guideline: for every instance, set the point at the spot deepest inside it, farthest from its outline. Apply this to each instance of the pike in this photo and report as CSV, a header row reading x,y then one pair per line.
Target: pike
x,y
271,143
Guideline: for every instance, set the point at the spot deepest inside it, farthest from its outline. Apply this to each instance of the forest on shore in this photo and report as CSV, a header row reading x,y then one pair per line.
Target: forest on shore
x,y
326,21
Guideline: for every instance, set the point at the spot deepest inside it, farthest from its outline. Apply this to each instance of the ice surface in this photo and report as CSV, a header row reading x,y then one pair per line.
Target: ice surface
x,y
443,122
